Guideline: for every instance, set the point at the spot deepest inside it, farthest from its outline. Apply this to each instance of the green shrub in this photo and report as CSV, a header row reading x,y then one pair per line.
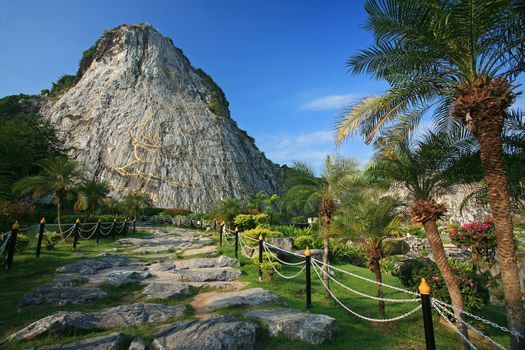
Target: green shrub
x,y
250,221
268,266
292,231
63,84
388,265
354,254
394,247
474,287
265,232
175,212
22,242
51,239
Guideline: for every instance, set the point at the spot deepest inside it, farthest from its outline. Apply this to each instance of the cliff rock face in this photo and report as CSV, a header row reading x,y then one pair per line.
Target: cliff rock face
x,y
142,118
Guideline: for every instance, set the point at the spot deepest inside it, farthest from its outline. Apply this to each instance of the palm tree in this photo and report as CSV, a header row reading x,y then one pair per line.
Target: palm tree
x,y
91,194
304,188
457,59
227,209
426,170
370,220
135,201
58,177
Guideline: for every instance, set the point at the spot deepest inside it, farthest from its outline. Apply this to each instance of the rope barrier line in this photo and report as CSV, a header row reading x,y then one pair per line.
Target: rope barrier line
x,y
368,279
498,345
243,244
380,320
4,244
366,295
27,228
465,339
279,260
283,276
478,318
284,250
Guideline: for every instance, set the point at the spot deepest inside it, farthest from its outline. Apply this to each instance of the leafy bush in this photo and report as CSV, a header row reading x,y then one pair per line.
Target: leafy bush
x,y
175,212
388,265
268,266
292,231
474,287
22,242
63,84
301,242
250,221
354,254
265,232
51,239
152,211
480,237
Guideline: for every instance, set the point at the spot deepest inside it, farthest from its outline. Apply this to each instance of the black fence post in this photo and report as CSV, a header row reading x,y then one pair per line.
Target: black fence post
x,y
40,236
125,228
221,227
97,230
12,244
236,243
261,238
113,228
77,233
424,291
134,223
308,262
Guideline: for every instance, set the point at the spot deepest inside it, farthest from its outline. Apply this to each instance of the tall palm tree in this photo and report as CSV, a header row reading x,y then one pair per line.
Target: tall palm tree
x,y
135,201
58,177
426,170
457,59
370,220
323,193
91,194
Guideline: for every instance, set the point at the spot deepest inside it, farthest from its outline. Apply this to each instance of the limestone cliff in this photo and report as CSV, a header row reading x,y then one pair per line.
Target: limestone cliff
x,y
142,118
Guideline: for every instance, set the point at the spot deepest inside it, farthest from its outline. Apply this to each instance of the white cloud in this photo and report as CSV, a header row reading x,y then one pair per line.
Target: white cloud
x,y
330,102
310,147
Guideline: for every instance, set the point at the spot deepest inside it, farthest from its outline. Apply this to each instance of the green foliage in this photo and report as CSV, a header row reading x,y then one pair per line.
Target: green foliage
x,y
268,266
25,139
63,84
388,265
218,104
301,242
226,209
51,239
355,254
394,247
16,210
22,242
134,202
250,221
292,231
175,212
479,237
90,195
474,287
265,232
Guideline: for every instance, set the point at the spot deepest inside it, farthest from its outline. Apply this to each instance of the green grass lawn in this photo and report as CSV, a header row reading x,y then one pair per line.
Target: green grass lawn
x,y
29,272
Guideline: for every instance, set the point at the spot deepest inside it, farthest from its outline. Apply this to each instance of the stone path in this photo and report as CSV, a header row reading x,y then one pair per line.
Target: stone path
x,y
166,278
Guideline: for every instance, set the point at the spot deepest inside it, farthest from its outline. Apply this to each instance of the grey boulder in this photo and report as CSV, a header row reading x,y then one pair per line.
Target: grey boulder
x,y
118,278
294,325
51,294
114,341
199,263
63,322
212,334
247,297
208,274
137,344
166,290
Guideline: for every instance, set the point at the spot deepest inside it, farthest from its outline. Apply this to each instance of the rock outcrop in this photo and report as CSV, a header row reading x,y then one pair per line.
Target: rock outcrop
x,y
142,118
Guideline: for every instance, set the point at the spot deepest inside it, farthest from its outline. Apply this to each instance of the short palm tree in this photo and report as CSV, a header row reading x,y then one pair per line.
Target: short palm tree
x,y
135,201
370,220
59,177
322,194
91,194
227,209
457,59
425,171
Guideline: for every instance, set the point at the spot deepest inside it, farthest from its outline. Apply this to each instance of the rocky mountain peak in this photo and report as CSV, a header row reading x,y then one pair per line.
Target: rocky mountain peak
x,y
143,119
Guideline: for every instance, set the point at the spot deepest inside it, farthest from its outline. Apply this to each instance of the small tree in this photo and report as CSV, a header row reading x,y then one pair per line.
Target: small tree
x,y
227,209
90,196
370,220
135,201
59,177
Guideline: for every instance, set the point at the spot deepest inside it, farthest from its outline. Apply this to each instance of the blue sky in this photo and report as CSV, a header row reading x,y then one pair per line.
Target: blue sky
x,y
281,63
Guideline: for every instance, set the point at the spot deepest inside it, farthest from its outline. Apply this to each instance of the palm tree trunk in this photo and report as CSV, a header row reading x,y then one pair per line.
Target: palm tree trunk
x,y
438,251
326,224
59,205
490,141
379,278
